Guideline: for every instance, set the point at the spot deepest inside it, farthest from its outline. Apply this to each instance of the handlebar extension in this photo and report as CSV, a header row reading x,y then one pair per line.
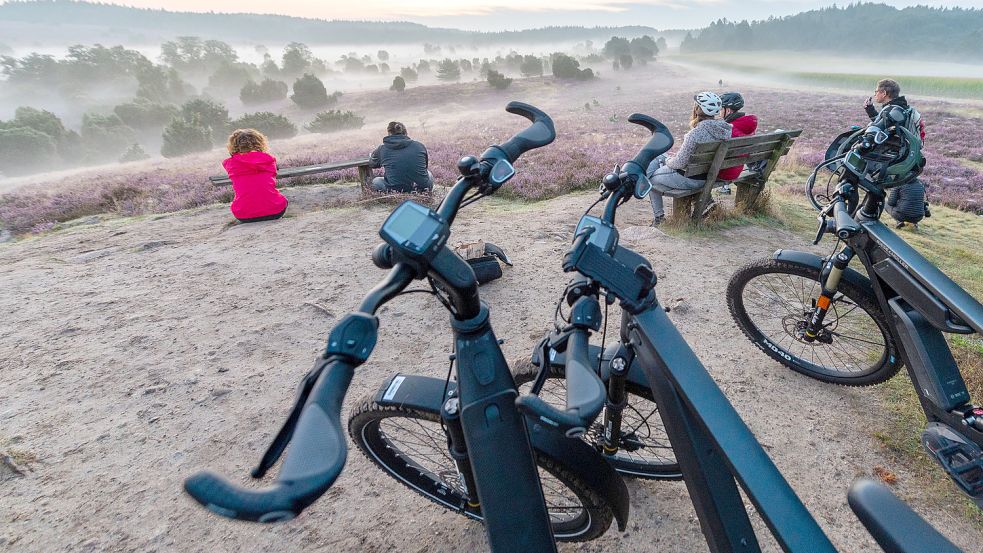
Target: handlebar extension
x,y
660,142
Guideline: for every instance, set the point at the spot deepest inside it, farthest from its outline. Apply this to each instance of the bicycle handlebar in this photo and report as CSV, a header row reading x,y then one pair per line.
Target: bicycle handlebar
x,y
659,144
537,135
311,467
585,392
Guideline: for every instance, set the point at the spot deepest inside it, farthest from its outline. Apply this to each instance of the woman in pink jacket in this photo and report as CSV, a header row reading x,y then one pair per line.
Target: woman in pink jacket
x,y
253,173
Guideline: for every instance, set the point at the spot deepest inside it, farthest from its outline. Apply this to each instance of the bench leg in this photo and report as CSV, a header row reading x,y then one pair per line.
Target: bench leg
x,y
364,177
682,207
747,195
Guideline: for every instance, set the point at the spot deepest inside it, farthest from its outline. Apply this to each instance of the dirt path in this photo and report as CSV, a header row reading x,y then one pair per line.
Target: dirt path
x,y
137,352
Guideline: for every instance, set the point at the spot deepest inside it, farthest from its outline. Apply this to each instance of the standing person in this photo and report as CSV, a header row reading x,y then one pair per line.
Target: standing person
x,y
404,160
906,203
252,171
666,172
731,104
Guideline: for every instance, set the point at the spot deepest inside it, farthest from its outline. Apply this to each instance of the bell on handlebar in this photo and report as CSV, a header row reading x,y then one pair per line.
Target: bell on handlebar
x,y
468,165
612,181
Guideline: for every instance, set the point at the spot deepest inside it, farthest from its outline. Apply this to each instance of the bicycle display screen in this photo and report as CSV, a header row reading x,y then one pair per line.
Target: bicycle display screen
x,y
604,236
415,230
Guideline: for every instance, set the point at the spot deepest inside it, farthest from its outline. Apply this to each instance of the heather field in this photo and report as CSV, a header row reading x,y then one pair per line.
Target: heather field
x,y
458,119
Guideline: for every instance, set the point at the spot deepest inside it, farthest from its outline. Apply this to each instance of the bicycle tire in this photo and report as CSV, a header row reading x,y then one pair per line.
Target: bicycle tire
x,y
657,460
373,428
772,320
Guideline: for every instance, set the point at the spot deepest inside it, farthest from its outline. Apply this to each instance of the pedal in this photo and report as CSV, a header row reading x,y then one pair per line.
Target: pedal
x,y
961,459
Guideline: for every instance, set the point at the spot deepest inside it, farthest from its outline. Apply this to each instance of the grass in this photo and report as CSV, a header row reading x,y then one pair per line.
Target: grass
x,y
949,239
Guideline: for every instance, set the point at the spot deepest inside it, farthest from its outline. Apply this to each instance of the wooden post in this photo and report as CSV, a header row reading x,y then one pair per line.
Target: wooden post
x,y
755,190
718,160
364,176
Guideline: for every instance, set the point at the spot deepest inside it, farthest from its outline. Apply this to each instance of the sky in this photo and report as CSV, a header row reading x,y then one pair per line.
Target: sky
x,y
496,15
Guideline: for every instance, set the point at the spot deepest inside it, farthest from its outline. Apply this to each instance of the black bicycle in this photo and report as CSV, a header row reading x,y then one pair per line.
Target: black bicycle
x,y
711,447
463,444
819,317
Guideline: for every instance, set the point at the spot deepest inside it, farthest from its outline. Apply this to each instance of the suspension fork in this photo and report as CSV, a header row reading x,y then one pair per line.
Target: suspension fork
x,y
450,412
616,401
829,279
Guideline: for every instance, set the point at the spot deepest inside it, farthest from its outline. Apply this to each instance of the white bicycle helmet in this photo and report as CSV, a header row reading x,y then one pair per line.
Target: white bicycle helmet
x,y
708,102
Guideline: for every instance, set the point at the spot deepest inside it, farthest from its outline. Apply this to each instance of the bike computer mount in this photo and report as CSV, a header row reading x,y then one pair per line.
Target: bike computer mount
x,y
415,231
603,235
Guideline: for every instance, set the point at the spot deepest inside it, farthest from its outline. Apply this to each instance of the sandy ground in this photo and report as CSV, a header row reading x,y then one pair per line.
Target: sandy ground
x,y
136,352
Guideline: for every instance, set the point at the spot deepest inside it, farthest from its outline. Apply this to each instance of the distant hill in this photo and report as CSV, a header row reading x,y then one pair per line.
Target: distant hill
x,y
878,30
56,22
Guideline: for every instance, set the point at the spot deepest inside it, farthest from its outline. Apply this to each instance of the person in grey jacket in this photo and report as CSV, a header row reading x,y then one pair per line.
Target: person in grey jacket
x,y
906,203
405,162
666,172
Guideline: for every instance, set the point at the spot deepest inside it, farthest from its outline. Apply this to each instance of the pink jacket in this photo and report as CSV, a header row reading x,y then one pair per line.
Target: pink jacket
x,y
253,176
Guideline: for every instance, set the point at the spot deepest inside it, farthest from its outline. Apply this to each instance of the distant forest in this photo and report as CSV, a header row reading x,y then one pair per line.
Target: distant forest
x,y
955,34
75,20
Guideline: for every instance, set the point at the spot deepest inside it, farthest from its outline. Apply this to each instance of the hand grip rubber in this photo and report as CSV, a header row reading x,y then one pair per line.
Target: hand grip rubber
x,y
313,463
537,135
660,142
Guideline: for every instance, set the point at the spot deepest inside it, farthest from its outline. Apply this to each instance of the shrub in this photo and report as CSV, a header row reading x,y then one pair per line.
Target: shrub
x,y
105,137
184,136
266,91
270,124
332,120
531,66
565,67
134,153
309,92
230,77
399,84
448,70
626,61
210,114
39,120
144,114
408,74
498,80
25,150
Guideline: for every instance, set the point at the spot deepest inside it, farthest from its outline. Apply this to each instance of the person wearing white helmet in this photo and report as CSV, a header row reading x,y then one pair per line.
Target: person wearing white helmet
x,y
666,172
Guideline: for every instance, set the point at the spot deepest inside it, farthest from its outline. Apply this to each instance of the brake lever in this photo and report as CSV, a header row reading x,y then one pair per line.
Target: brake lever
x,y
822,229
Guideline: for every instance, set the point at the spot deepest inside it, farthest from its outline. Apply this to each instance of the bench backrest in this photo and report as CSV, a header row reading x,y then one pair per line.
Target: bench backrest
x,y
739,151
287,172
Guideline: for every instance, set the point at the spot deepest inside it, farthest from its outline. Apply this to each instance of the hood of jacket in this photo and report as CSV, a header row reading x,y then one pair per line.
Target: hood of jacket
x,y
746,124
249,163
714,129
397,141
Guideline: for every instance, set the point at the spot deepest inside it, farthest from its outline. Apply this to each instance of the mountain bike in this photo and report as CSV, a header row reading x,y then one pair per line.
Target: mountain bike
x,y
711,445
826,320
485,464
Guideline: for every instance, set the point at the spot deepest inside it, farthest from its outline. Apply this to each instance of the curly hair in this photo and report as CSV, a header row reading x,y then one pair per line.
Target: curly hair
x,y
247,140
698,116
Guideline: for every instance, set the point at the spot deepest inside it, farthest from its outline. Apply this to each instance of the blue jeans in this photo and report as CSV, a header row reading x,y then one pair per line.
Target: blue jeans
x,y
664,179
379,184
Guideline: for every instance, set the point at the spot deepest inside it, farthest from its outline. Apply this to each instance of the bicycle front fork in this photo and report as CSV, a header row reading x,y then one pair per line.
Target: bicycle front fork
x,y
616,401
829,279
458,450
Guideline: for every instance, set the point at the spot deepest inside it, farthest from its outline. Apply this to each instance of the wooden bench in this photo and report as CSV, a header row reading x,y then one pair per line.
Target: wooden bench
x,y
711,157
364,171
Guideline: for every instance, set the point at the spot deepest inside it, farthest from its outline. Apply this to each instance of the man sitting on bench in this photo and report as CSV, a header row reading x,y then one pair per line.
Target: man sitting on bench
x,y
731,104
405,162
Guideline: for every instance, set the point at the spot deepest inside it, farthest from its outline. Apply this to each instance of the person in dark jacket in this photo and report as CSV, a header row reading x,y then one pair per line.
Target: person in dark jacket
x,y
405,162
888,93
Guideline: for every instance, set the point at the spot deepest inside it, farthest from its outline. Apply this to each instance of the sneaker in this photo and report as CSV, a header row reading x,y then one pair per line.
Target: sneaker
x,y
710,208
899,225
725,189
927,212
658,220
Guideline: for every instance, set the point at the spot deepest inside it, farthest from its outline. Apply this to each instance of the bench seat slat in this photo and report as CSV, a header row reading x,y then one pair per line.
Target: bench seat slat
x,y
700,168
299,171
734,153
746,140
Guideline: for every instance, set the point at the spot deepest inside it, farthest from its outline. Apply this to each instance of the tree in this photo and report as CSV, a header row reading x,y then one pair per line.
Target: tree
x,y
134,153
531,66
565,67
331,121
644,49
448,70
184,136
297,59
230,78
266,91
466,66
616,47
423,66
268,123
39,120
626,61
25,150
309,92
399,84
143,114
105,137
210,114
408,74
498,80
383,55
661,45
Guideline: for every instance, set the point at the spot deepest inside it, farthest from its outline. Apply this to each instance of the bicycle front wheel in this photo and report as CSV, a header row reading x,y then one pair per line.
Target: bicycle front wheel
x,y
772,302
411,446
644,450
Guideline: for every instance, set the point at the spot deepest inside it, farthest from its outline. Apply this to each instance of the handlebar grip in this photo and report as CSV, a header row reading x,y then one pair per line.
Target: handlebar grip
x,y
846,226
312,465
585,393
382,256
537,135
660,142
